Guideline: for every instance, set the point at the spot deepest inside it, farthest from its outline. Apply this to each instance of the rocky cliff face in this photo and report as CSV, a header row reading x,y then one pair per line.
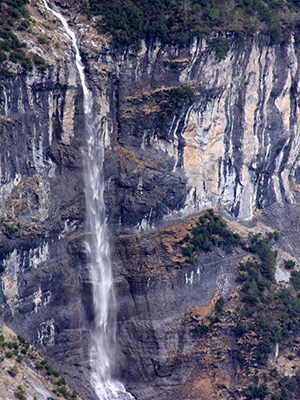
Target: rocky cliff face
x,y
232,143
234,146
44,279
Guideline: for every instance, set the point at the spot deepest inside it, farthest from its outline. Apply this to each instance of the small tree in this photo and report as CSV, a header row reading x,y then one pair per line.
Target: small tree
x,y
289,264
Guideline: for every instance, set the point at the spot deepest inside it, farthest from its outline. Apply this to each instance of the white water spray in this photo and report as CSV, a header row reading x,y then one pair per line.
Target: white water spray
x,y
103,334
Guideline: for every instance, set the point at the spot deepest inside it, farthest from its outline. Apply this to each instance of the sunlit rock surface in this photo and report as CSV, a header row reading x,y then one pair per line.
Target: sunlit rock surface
x,y
234,147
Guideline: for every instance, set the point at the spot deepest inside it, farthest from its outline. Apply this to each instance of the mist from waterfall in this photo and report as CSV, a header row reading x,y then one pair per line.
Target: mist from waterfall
x,y
103,333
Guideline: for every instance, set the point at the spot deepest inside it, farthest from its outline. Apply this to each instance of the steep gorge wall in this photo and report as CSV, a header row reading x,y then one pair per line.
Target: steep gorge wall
x,y
234,147
45,290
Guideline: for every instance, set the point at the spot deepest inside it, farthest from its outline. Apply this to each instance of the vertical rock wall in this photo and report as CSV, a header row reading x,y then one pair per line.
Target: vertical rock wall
x,y
45,289
234,146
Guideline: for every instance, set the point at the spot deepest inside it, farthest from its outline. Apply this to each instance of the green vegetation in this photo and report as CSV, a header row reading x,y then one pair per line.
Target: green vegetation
x,y
289,264
20,56
211,230
10,226
13,8
221,46
42,40
13,371
295,279
5,73
14,17
48,369
219,305
20,394
19,343
60,382
19,358
177,20
264,314
67,395
9,40
271,314
176,97
39,62
258,392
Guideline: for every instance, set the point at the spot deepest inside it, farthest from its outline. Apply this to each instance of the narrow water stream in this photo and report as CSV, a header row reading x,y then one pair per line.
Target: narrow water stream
x,y
103,335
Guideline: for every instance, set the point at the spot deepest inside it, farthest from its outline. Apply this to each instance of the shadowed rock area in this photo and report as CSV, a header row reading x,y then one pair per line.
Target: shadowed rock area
x,y
183,131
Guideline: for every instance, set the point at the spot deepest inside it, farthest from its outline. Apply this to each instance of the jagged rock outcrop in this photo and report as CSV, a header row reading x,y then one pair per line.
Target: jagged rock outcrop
x,y
233,144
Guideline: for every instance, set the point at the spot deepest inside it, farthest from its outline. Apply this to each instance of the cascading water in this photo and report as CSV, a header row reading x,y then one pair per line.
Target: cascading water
x,y
103,334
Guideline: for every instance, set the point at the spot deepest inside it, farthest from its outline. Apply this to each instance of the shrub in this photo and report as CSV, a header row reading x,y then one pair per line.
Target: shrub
x,y
219,305
258,392
25,24
42,40
39,61
61,381
63,390
289,264
274,372
51,371
295,279
201,329
39,366
5,73
20,394
221,46
13,371
276,235
3,56
240,278
21,339
19,358
209,231
240,329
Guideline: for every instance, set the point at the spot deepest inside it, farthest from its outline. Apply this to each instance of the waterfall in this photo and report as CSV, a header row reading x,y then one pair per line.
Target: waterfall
x,y
103,333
